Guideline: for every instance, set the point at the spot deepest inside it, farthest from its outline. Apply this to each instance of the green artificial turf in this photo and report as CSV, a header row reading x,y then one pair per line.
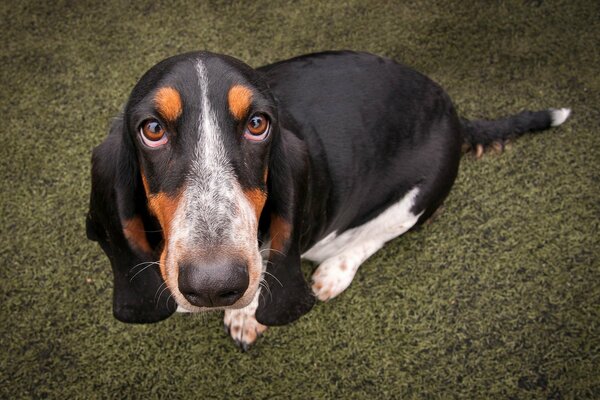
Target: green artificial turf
x,y
499,298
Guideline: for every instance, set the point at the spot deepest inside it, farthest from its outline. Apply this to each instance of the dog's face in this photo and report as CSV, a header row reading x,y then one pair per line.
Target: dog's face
x,y
202,127
179,186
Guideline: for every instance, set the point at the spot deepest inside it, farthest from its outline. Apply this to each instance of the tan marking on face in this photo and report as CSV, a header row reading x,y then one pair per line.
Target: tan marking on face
x,y
168,103
163,207
239,99
266,174
163,265
136,234
257,199
145,183
280,232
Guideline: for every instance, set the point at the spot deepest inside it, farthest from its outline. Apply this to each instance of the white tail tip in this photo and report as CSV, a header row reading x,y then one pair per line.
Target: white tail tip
x,y
559,115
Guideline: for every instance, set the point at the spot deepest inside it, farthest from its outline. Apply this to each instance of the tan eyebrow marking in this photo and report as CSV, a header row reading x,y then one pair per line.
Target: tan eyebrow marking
x,y
239,99
168,103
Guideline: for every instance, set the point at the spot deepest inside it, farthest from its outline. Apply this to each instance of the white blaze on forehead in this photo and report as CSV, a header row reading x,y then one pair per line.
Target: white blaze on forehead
x,y
214,210
209,144
210,196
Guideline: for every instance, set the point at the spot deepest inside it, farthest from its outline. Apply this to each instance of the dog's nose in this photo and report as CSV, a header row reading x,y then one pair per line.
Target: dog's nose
x,y
216,285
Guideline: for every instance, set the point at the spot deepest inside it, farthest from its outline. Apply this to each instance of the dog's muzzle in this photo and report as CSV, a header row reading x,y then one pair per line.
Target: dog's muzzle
x,y
219,284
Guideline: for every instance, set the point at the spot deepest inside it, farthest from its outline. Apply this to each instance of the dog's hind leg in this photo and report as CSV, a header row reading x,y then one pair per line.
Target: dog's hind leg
x,y
335,274
355,245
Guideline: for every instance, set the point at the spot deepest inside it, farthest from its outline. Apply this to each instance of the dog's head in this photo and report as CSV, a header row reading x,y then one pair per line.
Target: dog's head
x,y
197,164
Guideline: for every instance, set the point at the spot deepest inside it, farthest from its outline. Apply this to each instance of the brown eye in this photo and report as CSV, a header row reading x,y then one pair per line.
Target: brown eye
x,y
153,134
257,127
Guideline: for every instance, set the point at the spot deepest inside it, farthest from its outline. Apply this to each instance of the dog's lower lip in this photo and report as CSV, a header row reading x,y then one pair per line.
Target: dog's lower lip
x,y
193,310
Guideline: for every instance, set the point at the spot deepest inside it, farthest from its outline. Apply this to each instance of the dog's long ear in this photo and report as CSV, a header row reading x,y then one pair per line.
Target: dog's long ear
x,y
119,220
289,296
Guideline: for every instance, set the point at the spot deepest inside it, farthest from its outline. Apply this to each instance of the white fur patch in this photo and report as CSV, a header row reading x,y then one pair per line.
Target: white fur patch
x,y
340,256
559,115
211,191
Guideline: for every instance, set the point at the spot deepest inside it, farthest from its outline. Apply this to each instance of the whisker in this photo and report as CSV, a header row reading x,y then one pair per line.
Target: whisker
x,y
271,249
274,277
175,301
169,298
260,295
156,294
264,284
161,293
142,263
143,269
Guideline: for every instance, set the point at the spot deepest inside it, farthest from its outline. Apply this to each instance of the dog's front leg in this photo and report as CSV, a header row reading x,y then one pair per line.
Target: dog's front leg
x,y
242,325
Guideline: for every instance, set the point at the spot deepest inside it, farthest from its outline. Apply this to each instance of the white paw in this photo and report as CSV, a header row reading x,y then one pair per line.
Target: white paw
x,y
242,326
333,277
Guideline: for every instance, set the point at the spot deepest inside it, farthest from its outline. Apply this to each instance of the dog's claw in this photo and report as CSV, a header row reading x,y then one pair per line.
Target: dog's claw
x,y
245,340
243,346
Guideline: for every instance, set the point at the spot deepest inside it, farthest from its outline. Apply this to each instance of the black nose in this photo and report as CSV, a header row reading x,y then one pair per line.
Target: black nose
x,y
215,285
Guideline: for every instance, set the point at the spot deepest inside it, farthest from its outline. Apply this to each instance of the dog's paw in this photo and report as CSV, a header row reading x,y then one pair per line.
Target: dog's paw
x,y
243,327
332,277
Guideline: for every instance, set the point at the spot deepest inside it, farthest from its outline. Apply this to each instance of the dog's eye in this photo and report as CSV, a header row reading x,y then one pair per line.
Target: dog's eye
x,y
257,127
153,134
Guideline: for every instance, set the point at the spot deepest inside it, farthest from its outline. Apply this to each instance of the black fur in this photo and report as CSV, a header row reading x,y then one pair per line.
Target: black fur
x,y
289,297
485,132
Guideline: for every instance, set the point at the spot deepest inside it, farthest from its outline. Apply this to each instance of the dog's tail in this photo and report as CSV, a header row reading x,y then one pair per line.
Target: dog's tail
x,y
482,134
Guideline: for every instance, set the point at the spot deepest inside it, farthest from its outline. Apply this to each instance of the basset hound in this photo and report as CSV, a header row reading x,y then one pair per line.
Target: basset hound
x,y
218,178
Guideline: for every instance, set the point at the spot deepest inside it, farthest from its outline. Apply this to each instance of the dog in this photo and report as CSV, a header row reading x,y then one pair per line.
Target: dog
x,y
218,178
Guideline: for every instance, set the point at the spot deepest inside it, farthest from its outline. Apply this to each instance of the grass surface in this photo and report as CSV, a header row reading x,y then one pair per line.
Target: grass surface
x,y
499,298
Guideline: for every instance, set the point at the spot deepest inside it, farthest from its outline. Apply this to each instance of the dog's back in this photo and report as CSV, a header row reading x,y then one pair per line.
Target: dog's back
x,y
375,129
